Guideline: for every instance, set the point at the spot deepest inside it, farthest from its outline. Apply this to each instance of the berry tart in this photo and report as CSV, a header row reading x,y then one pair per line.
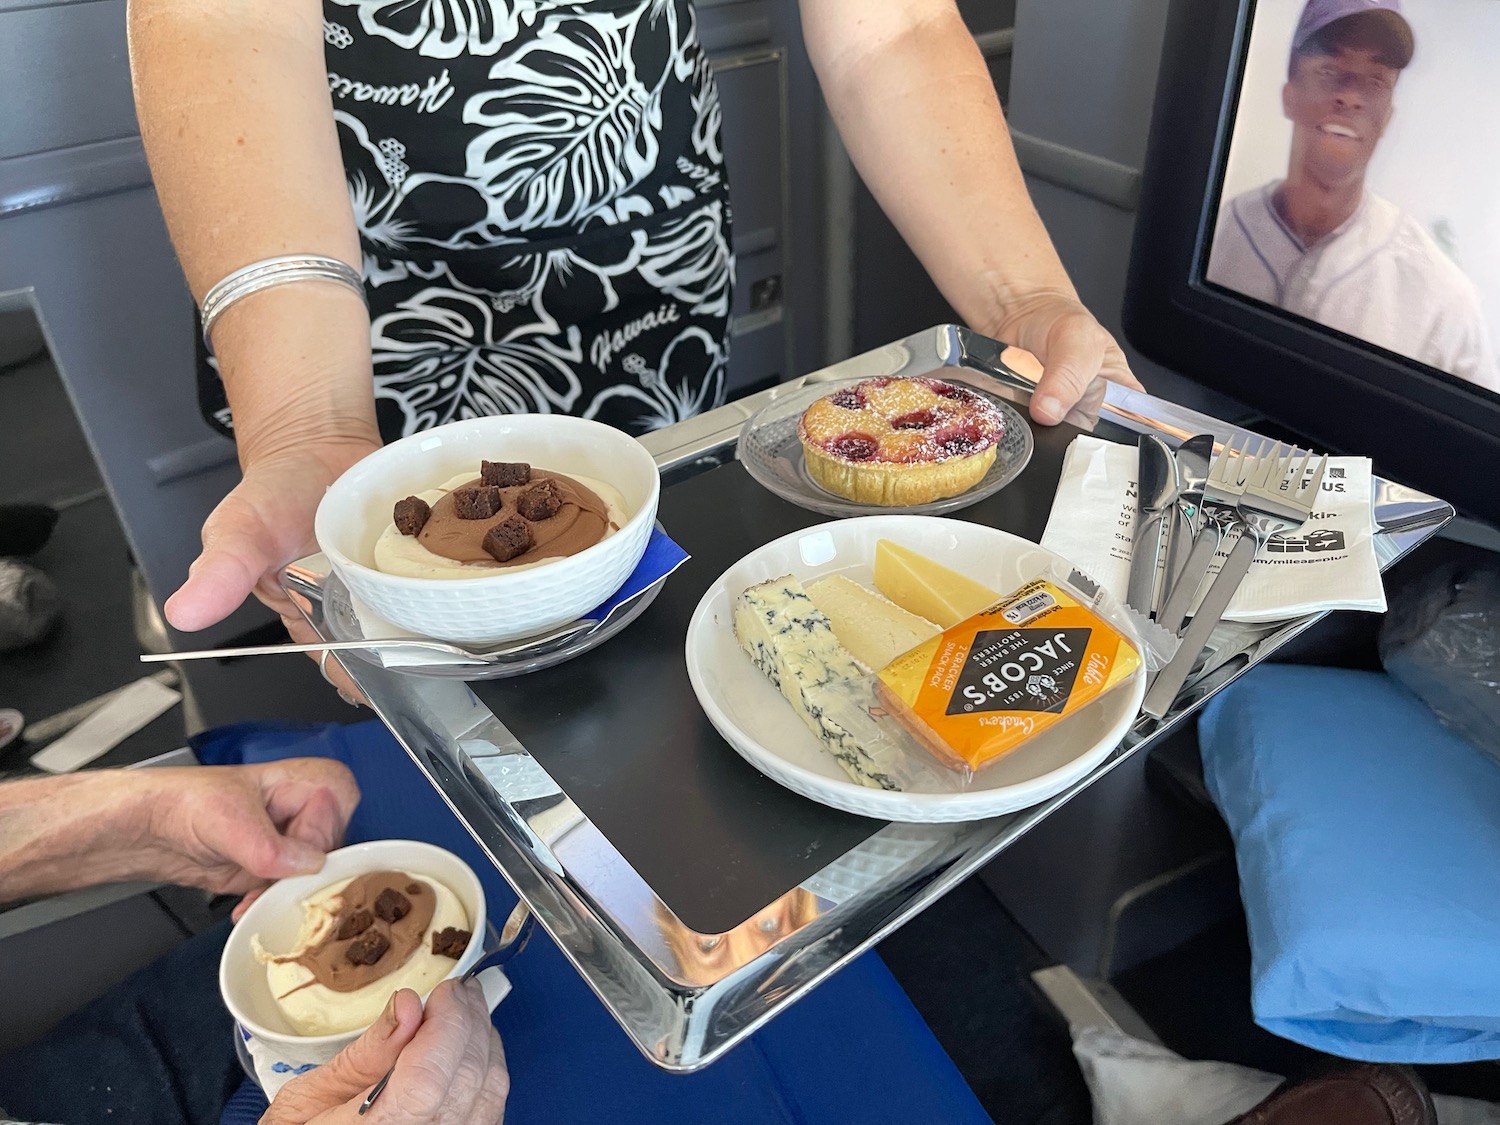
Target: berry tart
x,y
899,442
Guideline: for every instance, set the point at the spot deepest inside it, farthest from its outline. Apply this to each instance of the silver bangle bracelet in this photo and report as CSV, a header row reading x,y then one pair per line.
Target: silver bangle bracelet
x,y
272,272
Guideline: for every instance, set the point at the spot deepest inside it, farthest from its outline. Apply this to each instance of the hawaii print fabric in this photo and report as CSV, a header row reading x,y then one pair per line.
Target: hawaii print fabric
x,y
541,199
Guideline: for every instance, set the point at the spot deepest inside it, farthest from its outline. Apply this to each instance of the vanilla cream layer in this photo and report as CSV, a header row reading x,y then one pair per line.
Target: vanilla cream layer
x,y
403,554
318,1010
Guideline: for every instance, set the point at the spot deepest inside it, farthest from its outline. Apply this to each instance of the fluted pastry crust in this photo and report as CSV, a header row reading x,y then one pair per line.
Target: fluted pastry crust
x,y
899,442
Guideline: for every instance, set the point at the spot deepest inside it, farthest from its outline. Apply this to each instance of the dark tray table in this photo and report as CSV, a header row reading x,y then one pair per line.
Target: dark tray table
x,y
695,896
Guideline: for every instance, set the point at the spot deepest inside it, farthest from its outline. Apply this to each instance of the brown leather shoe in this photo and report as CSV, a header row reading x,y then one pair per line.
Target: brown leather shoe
x,y
1347,1094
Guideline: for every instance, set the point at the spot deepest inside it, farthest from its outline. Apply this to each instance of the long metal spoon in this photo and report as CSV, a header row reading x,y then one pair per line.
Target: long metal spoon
x,y
464,655
1157,504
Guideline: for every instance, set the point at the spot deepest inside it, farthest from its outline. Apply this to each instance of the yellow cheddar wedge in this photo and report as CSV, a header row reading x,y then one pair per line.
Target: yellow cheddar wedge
x,y
920,586
874,629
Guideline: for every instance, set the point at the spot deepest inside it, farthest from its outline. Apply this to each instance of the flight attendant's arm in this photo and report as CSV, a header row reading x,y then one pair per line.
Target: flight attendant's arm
x,y
233,101
917,110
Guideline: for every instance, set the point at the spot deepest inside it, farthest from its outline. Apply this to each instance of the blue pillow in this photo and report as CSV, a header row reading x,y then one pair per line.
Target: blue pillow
x,y
1368,842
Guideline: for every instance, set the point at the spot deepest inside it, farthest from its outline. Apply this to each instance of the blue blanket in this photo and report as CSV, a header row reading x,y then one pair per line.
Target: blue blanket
x,y
854,1051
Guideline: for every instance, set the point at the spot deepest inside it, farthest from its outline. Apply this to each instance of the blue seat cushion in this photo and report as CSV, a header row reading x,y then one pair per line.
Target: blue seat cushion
x,y
1368,842
853,1052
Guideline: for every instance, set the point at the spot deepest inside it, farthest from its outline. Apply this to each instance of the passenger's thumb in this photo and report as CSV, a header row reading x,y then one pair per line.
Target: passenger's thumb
x,y
350,1075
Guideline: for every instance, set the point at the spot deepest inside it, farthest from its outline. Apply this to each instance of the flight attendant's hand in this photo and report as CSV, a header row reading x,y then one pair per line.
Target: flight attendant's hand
x,y
1078,354
263,524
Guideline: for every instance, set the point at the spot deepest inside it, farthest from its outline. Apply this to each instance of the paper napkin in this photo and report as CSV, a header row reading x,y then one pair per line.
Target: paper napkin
x,y
1329,564
661,558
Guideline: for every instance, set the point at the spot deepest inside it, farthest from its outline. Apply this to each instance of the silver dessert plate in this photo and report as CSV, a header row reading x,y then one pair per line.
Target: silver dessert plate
x,y
771,453
342,624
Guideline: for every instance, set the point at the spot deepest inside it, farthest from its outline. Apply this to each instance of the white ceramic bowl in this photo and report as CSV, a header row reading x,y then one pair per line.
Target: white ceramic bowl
x,y
277,916
757,721
506,605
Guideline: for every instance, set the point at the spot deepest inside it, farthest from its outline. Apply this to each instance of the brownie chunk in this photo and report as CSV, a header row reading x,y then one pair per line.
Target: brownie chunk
x,y
508,538
505,474
477,503
450,942
391,905
368,948
413,888
412,515
354,925
541,501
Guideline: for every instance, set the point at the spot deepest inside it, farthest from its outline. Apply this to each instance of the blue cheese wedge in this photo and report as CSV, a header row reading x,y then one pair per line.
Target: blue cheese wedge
x,y
792,642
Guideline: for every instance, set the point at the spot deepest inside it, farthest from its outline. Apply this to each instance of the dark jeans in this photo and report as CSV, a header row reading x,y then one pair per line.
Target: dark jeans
x,y
158,1049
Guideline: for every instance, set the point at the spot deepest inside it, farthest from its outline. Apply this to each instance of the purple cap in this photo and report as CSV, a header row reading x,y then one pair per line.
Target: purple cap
x,y
1384,14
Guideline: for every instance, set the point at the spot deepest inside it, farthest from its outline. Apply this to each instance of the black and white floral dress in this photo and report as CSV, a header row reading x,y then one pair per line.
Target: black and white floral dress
x,y
542,205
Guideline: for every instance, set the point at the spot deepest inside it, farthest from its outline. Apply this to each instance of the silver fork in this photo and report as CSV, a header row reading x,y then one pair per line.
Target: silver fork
x,y
1278,498
1221,499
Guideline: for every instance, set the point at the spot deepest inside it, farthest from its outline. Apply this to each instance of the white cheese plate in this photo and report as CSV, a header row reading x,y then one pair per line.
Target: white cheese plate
x,y
756,719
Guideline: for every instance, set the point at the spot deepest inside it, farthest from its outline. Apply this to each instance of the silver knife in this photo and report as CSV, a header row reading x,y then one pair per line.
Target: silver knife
x,y
1200,559
1157,500
1163,691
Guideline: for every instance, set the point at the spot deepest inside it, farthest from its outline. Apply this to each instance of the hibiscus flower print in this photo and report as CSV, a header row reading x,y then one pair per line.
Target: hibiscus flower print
x,y
689,258
568,123
542,205
444,354
394,208
438,29
688,381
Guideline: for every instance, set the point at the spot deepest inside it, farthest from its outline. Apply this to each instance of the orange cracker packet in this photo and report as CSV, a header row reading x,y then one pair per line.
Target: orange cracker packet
x,y
983,687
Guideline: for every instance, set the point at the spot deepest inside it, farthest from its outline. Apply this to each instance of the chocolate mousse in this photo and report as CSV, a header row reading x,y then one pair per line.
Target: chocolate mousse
x,y
543,515
383,919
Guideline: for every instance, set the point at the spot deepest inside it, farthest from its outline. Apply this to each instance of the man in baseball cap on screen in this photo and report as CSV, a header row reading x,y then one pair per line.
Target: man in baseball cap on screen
x,y
1379,23
1322,246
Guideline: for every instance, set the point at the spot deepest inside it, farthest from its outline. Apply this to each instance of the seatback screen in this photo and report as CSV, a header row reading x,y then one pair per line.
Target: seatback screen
x,y
1361,189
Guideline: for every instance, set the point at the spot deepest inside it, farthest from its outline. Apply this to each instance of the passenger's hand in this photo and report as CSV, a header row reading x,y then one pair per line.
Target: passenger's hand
x,y
450,1068
1075,350
263,524
233,829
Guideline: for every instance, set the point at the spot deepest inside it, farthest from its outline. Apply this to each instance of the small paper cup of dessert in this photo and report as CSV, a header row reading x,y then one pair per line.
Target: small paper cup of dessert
x,y
275,918
494,605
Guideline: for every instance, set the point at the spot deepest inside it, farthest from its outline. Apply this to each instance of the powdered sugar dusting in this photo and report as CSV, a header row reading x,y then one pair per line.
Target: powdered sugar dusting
x,y
902,421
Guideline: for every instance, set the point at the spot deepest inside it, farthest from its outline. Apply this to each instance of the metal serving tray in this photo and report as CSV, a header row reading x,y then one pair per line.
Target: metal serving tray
x,y
685,995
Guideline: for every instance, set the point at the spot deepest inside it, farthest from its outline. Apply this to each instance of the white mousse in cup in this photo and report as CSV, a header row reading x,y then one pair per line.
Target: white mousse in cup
x,y
361,939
